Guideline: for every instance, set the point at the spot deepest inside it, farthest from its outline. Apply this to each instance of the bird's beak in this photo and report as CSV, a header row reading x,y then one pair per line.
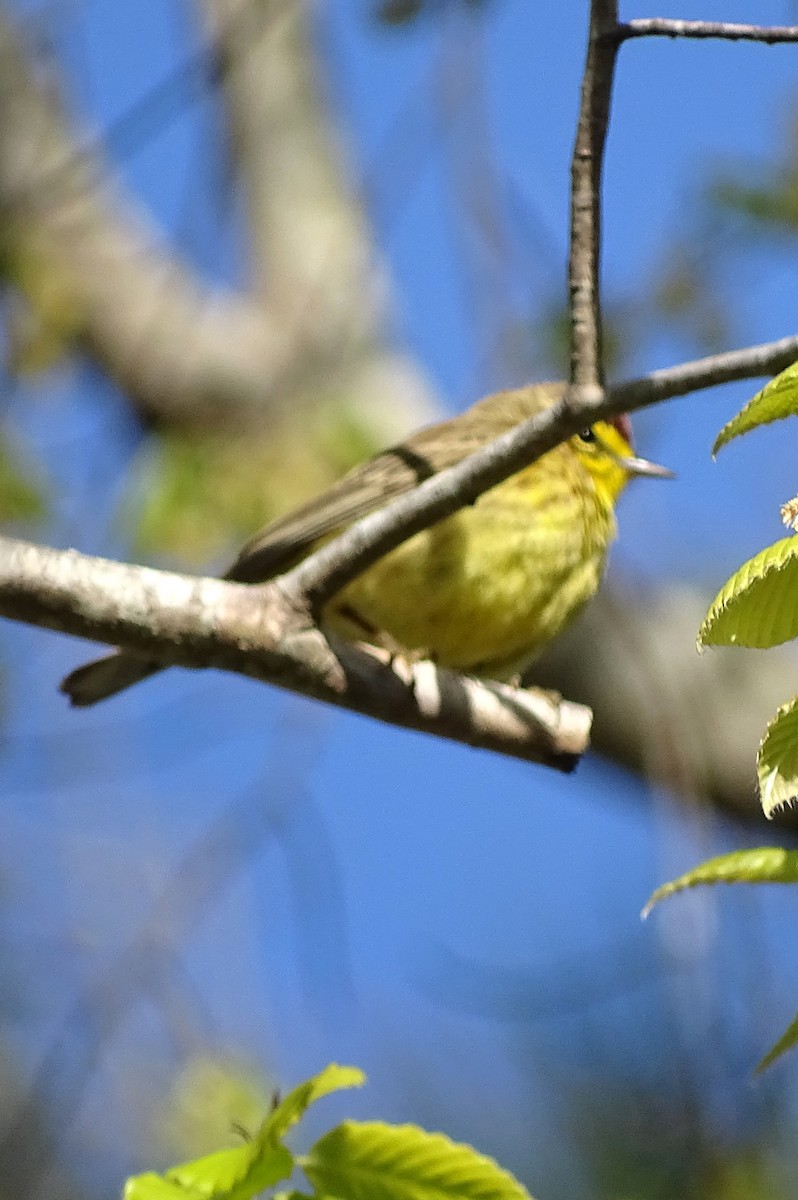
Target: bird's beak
x,y
630,462
642,466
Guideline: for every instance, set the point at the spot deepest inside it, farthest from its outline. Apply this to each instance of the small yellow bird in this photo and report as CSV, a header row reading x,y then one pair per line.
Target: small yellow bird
x,y
482,591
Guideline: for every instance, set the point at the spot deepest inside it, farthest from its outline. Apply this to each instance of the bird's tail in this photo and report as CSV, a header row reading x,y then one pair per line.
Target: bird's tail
x,y
105,677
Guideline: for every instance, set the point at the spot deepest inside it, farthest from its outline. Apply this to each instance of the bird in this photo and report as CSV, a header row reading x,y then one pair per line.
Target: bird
x,y
482,591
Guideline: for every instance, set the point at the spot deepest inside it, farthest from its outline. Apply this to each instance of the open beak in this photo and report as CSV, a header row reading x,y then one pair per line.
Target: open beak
x,y
642,466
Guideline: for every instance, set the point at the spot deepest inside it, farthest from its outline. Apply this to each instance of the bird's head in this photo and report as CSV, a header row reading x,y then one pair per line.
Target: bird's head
x,y
606,451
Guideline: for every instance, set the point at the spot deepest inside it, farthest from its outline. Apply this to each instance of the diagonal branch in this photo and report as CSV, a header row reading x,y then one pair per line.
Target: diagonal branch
x,y
194,622
729,31
322,574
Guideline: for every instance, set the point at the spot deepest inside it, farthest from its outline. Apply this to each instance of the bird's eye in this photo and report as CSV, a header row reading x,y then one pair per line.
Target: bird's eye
x,y
588,435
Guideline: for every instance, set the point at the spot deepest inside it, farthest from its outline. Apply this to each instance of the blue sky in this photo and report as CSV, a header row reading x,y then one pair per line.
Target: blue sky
x,y
374,859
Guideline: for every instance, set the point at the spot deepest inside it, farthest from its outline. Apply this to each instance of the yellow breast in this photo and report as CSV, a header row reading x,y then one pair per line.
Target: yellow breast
x,y
486,589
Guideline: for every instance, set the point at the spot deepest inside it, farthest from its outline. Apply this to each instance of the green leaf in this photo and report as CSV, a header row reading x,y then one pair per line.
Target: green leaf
x,y
244,1171
373,1161
777,759
768,864
332,1079
155,1187
786,1042
758,606
236,1174
776,400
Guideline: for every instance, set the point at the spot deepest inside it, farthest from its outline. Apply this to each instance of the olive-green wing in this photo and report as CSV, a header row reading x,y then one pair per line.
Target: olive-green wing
x,y
370,486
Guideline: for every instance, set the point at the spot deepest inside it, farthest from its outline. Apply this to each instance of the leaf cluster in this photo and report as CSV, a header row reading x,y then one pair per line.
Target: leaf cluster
x,y
758,607
356,1160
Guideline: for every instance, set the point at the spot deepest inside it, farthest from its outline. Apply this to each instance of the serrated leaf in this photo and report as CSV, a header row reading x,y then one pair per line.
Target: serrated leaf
x,y
776,400
332,1079
777,759
758,606
244,1171
786,1042
373,1161
768,864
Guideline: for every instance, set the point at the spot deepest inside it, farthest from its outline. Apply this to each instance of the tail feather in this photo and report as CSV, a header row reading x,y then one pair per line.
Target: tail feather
x,y
105,677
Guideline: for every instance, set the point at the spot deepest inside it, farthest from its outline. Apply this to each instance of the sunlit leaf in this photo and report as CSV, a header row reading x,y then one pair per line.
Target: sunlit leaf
x,y
768,864
777,759
776,400
786,1042
332,1079
237,1174
372,1161
155,1187
758,606
245,1171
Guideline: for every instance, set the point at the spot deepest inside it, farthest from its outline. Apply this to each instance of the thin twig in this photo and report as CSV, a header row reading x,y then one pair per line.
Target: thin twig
x,y
586,167
752,362
728,31
324,573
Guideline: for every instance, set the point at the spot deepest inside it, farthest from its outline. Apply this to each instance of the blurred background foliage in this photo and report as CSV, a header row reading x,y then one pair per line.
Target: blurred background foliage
x,y
352,225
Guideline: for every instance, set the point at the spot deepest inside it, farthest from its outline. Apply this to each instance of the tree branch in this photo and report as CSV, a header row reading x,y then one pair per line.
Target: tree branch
x,y
586,166
750,362
171,343
194,622
324,573
729,31
182,350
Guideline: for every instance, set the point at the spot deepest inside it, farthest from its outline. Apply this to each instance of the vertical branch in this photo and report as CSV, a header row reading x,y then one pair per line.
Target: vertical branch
x,y
586,167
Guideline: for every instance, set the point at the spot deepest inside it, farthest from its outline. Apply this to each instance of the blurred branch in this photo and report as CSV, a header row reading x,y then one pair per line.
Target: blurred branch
x,y
311,253
171,343
259,633
729,31
181,349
